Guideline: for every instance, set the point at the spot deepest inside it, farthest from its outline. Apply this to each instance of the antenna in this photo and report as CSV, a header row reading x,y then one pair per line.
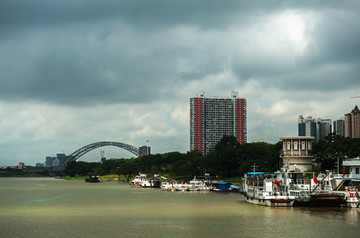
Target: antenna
x,y
254,167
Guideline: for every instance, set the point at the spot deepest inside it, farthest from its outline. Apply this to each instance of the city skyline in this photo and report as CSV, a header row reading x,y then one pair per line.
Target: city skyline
x,y
74,73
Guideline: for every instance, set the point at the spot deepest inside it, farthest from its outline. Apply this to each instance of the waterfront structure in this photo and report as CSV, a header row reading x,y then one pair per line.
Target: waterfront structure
x,y
318,129
213,117
339,127
296,153
352,123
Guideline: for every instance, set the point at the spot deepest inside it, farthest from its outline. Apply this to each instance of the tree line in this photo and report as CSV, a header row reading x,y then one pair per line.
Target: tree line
x,y
228,159
333,149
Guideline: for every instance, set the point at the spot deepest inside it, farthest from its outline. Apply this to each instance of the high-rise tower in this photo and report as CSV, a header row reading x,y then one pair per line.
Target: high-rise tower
x,y
339,127
213,117
352,123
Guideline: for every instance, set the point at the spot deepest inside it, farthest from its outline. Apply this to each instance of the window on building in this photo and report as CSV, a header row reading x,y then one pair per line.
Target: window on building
x,y
303,145
357,170
295,145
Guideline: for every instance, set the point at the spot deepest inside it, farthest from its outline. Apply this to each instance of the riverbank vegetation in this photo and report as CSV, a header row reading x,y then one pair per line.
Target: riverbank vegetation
x,y
14,172
229,160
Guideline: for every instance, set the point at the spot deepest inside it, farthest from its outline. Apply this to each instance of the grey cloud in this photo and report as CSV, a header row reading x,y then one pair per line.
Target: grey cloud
x,y
88,52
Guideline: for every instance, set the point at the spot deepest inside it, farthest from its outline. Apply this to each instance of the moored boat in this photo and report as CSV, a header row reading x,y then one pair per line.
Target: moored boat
x,y
267,189
311,192
139,180
93,179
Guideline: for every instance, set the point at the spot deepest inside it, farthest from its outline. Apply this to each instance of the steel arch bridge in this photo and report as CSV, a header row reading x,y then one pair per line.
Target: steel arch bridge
x,y
83,150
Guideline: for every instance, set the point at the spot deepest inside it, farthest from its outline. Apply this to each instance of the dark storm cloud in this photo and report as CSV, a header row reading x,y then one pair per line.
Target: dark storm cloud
x,y
84,52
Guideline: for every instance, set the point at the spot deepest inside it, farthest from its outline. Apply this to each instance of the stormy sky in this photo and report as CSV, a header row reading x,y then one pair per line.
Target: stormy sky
x,y
77,72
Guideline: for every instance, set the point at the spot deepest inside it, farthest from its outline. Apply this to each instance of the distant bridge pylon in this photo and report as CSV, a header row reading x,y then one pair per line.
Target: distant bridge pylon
x,y
83,150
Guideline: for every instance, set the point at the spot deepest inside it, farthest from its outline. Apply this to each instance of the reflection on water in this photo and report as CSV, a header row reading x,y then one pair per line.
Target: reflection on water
x,y
38,207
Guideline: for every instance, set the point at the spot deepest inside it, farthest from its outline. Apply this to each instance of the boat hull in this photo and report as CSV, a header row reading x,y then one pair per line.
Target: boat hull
x,y
321,200
272,201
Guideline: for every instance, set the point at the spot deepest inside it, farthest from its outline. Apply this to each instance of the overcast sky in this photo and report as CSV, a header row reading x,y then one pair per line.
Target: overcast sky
x,y
78,72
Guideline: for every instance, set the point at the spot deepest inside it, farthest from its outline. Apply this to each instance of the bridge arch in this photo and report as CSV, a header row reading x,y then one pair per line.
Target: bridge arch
x,y
87,148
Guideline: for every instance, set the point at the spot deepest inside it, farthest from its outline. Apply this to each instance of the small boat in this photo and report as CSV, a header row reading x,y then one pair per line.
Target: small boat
x,y
93,179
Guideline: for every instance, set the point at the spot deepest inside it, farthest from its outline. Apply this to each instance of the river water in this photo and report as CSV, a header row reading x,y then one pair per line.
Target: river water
x,y
47,207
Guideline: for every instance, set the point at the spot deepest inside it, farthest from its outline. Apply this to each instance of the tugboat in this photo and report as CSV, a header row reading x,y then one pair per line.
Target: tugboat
x,y
93,179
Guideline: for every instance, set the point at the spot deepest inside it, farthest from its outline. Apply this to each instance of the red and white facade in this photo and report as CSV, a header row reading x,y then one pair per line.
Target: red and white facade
x,y
213,117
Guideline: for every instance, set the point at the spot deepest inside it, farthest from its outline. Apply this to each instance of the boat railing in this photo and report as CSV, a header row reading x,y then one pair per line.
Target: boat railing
x,y
303,181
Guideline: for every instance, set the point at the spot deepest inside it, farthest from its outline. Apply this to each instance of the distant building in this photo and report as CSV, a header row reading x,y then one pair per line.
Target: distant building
x,y
307,127
318,129
339,127
352,123
61,157
39,165
213,117
323,128
49,161
296,153
21,165
144,150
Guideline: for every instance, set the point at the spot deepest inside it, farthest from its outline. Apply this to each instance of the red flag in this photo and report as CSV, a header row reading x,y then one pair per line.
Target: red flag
x,y
343,171
315,180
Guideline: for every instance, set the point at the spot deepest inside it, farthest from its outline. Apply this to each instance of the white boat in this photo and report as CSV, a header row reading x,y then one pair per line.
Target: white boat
x,y
198,185
267,189
182,187
139,180
349,187
168,186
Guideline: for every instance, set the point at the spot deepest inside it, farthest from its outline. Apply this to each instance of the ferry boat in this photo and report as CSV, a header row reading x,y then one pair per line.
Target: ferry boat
x,y
267,189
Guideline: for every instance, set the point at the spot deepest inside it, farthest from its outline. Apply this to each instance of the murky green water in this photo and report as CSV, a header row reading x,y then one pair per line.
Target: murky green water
x,y
46,207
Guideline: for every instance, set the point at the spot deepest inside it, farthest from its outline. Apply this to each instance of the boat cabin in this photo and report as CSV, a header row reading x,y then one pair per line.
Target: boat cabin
x,y
354,167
